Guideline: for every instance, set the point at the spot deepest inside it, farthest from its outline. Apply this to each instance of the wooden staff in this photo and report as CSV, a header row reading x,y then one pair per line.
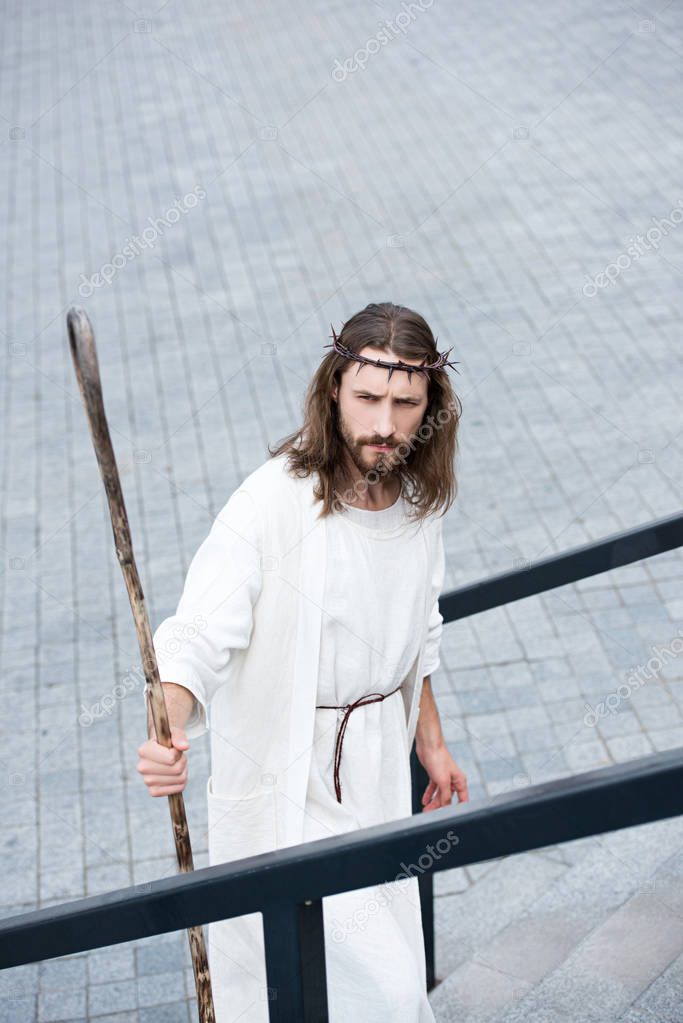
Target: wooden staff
x,y
84,354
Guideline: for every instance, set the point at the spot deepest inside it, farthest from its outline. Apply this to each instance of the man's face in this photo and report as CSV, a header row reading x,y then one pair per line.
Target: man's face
x,y
374,410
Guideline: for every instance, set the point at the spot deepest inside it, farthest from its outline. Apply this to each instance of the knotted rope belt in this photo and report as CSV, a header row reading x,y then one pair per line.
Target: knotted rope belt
x,y
360,702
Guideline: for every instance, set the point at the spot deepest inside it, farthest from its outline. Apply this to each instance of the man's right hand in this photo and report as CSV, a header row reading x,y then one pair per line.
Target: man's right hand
x,y
163,768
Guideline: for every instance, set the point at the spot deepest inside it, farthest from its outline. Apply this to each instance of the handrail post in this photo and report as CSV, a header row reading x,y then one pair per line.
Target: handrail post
x,y
419,781
295,961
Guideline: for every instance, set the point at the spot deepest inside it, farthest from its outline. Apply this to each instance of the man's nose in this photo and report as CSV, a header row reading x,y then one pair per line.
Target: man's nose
x,y
384,423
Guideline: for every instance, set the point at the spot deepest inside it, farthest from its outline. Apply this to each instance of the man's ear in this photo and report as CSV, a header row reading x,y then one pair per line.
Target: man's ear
x,y
334,392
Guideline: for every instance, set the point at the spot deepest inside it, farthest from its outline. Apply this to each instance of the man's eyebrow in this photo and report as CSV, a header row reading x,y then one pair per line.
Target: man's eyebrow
x,y
401,397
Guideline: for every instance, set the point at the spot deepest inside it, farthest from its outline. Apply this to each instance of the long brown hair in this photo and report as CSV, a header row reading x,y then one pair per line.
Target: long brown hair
x,y
427,470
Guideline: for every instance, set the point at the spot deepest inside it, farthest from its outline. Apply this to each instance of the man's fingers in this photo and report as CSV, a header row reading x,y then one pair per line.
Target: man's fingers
x,y
164,769
436,794
429,793
460,786
165,780
440,790
165,790
179,739
153,750
149,765
167,770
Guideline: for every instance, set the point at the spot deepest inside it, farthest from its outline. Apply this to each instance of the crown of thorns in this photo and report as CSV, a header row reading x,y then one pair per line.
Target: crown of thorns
x,y
409,367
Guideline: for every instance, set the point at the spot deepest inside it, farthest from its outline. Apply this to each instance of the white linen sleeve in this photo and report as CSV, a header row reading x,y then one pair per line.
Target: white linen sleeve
x,y
438,570
214,614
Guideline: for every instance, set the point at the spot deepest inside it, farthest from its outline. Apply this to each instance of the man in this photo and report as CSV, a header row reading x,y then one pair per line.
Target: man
x,y
307,629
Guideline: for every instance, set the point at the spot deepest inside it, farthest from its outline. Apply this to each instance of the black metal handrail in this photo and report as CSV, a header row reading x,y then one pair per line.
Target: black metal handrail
x,y
545,574
570,566
583,562
288,885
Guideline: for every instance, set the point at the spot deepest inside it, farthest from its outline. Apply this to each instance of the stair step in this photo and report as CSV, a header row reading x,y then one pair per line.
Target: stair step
x,y
662,1002
537,939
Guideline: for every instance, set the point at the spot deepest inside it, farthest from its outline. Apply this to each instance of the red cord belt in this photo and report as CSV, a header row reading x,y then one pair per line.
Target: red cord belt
x,y
361,701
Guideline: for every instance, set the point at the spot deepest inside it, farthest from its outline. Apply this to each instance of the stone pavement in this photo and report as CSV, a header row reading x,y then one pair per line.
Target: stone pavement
x,y
217,186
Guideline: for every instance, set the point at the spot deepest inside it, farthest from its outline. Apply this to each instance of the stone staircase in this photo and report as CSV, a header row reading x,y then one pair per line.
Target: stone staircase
x,y
587,932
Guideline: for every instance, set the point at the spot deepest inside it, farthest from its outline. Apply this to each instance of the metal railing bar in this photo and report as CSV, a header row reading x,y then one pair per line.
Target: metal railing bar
x,y
560,569
595,802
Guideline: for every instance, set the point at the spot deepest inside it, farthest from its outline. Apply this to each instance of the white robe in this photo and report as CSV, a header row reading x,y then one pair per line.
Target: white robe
x,y
248,625
375,583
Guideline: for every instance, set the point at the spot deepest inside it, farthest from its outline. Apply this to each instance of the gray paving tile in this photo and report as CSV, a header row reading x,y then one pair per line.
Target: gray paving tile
x,y
564,147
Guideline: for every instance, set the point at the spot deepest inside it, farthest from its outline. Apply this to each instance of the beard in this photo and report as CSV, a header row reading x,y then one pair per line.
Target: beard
x,y
364,458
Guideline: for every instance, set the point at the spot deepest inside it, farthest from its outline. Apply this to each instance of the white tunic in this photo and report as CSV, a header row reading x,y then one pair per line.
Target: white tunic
x,y
245,640
372,613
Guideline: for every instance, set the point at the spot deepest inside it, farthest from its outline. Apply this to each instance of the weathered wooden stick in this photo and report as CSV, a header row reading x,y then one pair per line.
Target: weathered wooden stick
x,y
84,354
